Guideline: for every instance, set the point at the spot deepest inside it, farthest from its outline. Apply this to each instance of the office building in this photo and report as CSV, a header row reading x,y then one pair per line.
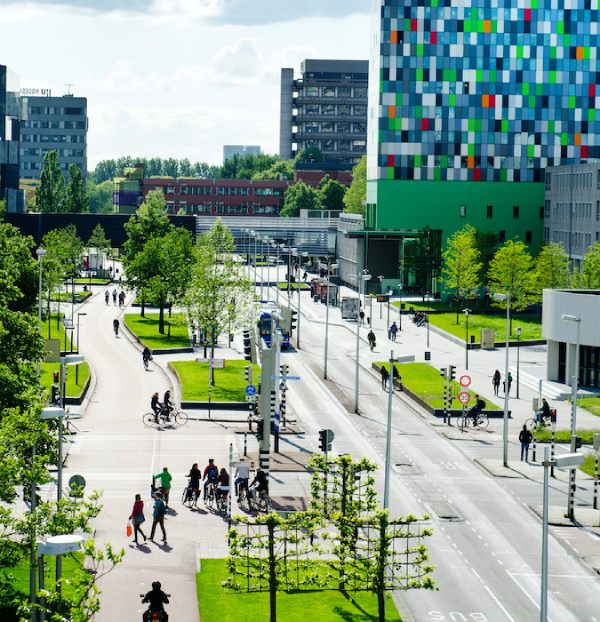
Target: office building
x,y
128,190
469,104
53,123
326,107
572,208
9,140
241,150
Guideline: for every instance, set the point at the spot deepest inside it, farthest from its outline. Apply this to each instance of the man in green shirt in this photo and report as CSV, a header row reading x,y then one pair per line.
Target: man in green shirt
x,y
165,484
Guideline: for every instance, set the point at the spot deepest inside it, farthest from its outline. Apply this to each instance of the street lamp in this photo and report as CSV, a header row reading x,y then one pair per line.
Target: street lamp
x,y
400,288
466,312
77,367
330,266
278,248
575,386
380,277
505,297
299,255
518,331
361,278
388,441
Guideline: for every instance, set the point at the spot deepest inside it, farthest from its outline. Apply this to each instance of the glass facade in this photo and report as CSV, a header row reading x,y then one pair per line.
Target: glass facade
x,y
482,91
9,140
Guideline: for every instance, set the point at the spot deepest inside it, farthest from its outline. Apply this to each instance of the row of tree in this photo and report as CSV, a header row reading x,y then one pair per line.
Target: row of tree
x,y
329,195
512,268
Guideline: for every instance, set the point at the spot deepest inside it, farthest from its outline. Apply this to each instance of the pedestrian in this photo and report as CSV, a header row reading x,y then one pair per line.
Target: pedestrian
x,y
496,382
114,297
158,516
165,483
525,437
361,316
137,518
395,376
385,376
106,296
116,327
393,331
507,383
371,339
121,298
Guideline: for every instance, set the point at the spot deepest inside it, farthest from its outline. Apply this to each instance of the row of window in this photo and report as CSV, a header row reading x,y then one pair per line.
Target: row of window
x,y
56,110
576,181
334,91
37,166
578,210
327,146
218,208
330,110
226,191
54,125
53,138
328,127
578,240
489,211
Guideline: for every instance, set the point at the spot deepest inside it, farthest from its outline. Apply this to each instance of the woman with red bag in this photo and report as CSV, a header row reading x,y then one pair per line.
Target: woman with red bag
x,y
137,518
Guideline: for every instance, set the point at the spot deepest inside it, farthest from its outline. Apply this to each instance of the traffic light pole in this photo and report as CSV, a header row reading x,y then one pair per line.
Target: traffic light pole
x,y
267,360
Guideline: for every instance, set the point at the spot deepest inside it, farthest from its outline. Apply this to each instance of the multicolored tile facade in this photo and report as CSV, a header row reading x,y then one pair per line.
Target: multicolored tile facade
x,y
492,90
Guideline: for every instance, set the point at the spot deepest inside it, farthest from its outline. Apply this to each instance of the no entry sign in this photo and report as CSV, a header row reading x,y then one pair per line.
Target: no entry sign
x,y
465,380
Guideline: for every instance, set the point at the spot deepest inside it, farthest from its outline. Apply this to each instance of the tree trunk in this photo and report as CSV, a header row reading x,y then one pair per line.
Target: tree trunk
x,y
272,574
381,566
143,311
161,318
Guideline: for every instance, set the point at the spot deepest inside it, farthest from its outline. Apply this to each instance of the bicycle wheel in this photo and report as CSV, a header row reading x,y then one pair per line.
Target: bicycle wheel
x,y
210,496
466,422
531,424
181,418
186,497
483,421
149,420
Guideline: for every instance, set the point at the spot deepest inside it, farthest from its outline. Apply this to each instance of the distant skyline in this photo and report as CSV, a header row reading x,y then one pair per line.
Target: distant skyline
x,y
176,78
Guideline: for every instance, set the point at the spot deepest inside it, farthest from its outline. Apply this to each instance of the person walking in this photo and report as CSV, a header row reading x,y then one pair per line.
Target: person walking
x,y
158,516
385,376
525,437
106,296
395,377
137,518
496,382
361,315
116,327
393,331
165,484
507,383
371,339
114,297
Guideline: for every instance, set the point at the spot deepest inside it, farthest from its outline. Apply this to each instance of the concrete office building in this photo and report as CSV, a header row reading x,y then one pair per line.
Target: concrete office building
x,y
241,150
53,123
9,140
325,108
572,208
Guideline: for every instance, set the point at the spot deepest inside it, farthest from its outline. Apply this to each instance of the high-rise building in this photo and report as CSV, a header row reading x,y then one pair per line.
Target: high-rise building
x,y
9,140
325,108
242,150
53,123
469,103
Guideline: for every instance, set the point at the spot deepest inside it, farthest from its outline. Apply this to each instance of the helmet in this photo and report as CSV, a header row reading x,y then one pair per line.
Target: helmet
x,y
156,585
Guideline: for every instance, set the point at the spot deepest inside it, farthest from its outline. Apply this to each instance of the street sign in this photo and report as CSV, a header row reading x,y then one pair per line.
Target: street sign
x,y
250,390
330,436
596,442
285,377
217,363
383,298
464,397
77,481
465,380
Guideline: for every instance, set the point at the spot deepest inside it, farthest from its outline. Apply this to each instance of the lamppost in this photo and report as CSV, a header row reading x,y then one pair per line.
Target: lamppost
x,y
380,277
77,367
388,442
505,297
255,236
278,248
466,312
575,386
299,255
330,266
400,288
361,278
518,331
262,266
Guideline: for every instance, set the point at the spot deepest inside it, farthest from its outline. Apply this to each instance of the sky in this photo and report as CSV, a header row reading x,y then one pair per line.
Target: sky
x,y
176,78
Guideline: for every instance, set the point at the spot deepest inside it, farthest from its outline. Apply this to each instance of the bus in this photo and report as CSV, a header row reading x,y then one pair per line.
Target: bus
x,y
264,329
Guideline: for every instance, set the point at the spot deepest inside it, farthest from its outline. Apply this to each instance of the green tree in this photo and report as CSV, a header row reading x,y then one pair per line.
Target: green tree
x,y
332,194
460,264
280,170
551,268
98,239
487,243
101,197
220,295
590,273
51,195
300,196
357,193
511,271
77,198
309,155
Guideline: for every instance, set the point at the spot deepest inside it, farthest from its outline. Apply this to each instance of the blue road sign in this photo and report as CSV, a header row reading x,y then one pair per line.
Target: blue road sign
x,y
250,390
285,377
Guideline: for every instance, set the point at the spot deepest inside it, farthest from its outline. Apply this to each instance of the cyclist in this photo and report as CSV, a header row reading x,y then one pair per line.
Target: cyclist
x,y
544,413
477,409
242,476
167,404
195,476
261,482
106,296
211,474
223,485
156,406
116,327
157,598
146,356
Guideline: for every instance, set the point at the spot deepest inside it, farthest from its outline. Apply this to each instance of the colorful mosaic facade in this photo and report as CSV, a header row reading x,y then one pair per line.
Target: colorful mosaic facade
x,y
492,90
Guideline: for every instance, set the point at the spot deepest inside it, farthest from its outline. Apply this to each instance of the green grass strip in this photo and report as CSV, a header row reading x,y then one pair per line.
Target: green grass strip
x,y
530,325
76,380
146,329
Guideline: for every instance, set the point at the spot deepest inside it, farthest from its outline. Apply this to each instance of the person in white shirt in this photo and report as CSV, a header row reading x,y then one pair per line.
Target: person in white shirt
x,y
242,475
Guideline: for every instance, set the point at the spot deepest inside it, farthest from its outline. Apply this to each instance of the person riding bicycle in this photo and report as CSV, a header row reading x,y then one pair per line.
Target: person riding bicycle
x,y
167,404
242,476
195,476
261,482
156,406
116,326
146,356
157,598
106,296
477,409
222,489
544,413
211,474
371,339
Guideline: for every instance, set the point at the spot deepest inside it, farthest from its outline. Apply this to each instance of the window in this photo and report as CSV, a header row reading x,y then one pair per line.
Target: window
x,y
489,211
343,145
598,179
73,111
343,91
360,111
311,109
502,236
343,128
311,91
548,181
328,91
327,127
311,128
597,211
515,211
360,91
528,237
328,109
344,110
462,211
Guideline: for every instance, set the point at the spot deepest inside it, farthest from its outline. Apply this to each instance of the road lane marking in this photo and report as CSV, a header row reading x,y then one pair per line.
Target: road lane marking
x,y
496,600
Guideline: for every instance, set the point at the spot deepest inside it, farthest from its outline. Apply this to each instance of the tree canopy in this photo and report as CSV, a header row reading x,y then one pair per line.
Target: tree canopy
x,y
357,193
511,271
332,194
461,265
590,273
106,170
77,198
551,268
300,196
51,195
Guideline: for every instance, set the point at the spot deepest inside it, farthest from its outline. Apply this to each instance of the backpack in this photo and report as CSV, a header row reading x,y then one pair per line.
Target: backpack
x,y
481,403
161,510
212,472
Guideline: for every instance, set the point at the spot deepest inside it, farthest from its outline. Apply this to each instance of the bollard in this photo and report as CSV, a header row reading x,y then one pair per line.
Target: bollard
x,y
596,484
533,448
552,451
245,443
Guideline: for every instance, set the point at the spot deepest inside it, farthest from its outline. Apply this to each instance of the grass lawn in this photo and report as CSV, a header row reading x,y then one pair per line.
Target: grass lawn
x,y
589,465
531,327
56,332
293,286
591,404
74,389
216,604
564,436
66,297
94,281
426,382
146,328
230,382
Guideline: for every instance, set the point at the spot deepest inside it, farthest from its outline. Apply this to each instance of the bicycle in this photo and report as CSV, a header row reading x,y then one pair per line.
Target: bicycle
x,y
243,497
221,499
177,418
210,493
189,496
544,421
481,420
260,502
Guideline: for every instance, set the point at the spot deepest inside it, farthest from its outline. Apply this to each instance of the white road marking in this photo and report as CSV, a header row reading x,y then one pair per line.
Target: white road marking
x,y
496,600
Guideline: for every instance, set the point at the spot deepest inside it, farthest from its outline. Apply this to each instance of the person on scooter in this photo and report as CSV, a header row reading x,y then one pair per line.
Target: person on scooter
x,y
157,598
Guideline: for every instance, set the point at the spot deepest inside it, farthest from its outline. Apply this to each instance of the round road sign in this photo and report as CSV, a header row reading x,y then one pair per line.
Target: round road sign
x,y
250,390
464,397
465,380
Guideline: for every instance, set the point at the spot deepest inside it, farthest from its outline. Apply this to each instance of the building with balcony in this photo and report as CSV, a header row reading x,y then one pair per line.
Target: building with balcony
x,y
326,107
53,123
9,140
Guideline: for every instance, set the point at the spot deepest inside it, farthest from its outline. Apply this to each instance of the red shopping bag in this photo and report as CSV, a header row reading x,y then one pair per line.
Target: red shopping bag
x,y
129,530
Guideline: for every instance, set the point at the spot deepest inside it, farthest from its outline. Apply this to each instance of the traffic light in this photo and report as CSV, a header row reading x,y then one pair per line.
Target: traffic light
x,y
54,394
293,321
452,374
443,372
249,349
260,426
55,377
323,440
286,323
248,374
578,442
